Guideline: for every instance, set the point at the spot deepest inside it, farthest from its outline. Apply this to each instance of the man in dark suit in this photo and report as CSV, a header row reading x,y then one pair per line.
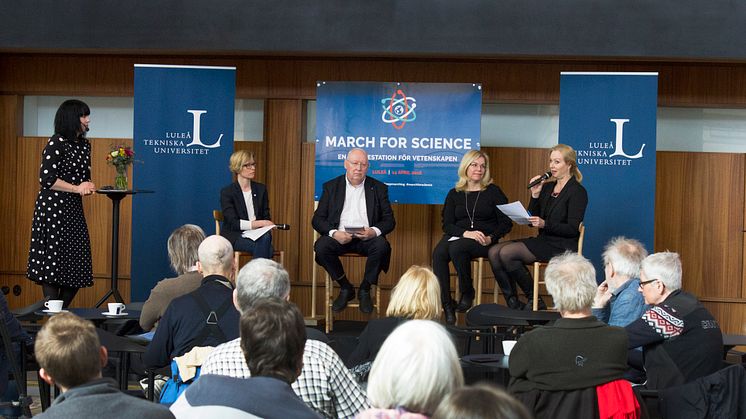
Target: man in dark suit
x,y
354,200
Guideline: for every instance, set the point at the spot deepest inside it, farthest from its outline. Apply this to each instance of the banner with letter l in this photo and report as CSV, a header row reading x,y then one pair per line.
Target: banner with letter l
x,y
183,138
610,120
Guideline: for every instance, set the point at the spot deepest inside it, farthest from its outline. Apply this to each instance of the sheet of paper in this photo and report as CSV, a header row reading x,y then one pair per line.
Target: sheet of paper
x,y
515,212
453,238
257,232
355,229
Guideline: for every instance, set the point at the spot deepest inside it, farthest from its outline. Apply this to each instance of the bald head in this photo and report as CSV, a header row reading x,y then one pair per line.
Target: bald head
x,y
216,256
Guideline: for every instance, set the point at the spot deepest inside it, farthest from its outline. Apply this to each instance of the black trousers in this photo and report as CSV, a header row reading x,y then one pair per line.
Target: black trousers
x,y
377,250
460,252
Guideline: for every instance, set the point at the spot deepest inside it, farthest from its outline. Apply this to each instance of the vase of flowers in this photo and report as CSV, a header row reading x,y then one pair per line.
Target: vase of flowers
x,y
120,157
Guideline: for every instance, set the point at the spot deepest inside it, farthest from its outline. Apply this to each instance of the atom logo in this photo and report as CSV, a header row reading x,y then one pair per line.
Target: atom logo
x,y
398,109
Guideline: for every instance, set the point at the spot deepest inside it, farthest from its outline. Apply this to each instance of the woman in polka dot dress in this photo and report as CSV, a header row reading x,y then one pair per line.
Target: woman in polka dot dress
x,y
60,254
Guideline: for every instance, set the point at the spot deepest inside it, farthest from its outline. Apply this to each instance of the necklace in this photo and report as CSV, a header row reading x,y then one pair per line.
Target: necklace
x,y
474,210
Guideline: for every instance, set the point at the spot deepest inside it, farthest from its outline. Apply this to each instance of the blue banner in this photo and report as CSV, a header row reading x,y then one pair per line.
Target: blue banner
x,y
610,120
183,139
415,134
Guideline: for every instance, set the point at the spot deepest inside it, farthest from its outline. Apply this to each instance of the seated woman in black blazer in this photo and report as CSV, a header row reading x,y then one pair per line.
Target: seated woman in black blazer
x,y
557,207
245,207
471,224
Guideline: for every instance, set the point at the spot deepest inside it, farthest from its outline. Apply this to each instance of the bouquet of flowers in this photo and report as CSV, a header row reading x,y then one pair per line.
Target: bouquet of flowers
x,y
120,157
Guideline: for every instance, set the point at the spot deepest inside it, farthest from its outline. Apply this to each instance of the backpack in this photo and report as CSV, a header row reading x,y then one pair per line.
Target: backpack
x,y
175,386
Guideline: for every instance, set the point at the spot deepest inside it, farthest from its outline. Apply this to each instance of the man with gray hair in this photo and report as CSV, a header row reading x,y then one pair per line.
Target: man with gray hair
x,y
578,351
617,300
681,340
324,384
204,317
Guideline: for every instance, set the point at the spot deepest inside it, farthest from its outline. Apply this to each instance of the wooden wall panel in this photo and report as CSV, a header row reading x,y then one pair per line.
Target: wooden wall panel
x,y
700,214
505,80
282,122
10,113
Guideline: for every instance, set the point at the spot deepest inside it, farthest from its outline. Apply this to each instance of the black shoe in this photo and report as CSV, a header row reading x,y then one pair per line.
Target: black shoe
x,y
450,313
366,305
540,305
515,303
465,303
345,295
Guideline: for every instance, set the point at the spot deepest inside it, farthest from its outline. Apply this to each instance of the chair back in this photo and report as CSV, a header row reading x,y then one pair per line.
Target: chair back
x,y
217,215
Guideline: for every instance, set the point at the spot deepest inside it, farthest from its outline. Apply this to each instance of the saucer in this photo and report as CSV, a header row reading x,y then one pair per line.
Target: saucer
x,y
55,312
106,313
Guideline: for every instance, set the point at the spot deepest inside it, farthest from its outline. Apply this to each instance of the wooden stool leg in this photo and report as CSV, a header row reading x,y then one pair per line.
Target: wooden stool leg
x,y
537,269
328,303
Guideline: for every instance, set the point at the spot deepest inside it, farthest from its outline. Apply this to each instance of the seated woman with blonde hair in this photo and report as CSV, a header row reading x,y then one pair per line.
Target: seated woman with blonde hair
x,y
415,296
416,368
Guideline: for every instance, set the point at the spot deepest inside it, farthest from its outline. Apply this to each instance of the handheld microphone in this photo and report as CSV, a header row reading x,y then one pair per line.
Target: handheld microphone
x,y
283,226
543,177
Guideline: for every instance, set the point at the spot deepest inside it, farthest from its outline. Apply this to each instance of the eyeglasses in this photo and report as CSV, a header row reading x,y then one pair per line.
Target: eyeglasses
x,y
475,165
360,165
643,283
247,165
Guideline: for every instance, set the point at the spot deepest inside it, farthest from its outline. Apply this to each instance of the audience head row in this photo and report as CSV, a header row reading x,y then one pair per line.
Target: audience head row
x,y
182,247
416,295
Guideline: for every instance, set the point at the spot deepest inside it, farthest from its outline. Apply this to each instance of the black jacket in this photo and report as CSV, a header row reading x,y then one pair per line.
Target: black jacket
x,y
380,214
562,217
234,208
719,395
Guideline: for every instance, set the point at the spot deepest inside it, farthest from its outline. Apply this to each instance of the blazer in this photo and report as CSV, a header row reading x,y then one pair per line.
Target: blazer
x,y
234,208
380,214
562,217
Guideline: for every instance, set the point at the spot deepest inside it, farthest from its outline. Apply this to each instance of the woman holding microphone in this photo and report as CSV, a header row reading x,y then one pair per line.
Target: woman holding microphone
x,y
557,208
471,224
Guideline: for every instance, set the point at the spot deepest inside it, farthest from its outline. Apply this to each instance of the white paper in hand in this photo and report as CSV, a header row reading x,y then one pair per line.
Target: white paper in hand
x,y
515,212
256,233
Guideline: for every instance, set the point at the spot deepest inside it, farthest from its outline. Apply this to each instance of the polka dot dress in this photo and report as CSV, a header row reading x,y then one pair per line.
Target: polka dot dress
x,y
60,252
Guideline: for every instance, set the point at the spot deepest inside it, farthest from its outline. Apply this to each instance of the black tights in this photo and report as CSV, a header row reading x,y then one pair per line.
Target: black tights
x,y
59,292
510,256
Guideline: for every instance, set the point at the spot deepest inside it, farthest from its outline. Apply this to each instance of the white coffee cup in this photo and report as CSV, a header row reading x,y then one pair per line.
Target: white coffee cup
x,y
508,346
54,306
116,308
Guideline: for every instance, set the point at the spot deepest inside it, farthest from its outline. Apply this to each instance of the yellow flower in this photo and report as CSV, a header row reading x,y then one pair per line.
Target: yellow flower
x,y
114,153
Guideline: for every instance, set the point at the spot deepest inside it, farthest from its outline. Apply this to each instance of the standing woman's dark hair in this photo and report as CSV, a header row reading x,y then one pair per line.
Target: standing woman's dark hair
x,y
60,253
67,119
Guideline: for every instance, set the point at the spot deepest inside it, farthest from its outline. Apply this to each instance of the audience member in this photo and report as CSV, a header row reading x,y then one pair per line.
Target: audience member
x,y
273,333
324,383
415,369
18,336
182,252
681,340
71,357
578,351
482,401
415,296
617,300
204,317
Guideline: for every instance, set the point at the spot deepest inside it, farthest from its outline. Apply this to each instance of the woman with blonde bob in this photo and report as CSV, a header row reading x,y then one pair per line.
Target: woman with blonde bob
x,y
557,208
416,368
245,205
415,296
471,225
